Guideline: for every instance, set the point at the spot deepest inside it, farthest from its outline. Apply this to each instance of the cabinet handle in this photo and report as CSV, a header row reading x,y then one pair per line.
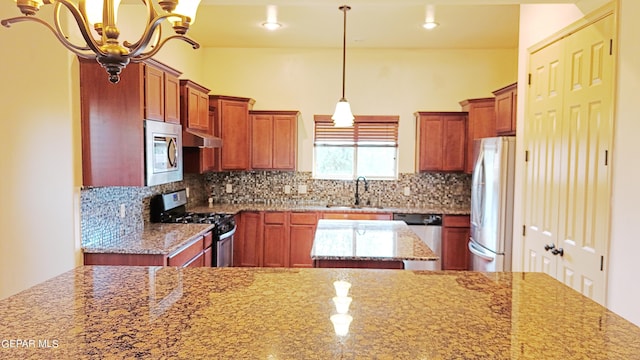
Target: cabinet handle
x,y
549,247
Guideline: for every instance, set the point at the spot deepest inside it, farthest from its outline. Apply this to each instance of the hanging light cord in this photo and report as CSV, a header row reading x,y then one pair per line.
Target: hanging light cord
x,y
344,9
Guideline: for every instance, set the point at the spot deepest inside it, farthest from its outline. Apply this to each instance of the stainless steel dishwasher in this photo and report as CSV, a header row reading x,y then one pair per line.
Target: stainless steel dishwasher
x,y
428,227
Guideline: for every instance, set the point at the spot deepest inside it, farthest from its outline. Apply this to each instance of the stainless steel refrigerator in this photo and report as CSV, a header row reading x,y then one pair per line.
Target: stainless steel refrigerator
x,y
492,204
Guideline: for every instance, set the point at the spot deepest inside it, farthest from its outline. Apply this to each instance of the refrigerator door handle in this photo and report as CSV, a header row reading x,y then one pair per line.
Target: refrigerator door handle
x,y
479,252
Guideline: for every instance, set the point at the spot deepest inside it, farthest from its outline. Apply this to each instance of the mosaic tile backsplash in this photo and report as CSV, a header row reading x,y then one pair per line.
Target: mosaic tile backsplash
x,y
271,187
100,207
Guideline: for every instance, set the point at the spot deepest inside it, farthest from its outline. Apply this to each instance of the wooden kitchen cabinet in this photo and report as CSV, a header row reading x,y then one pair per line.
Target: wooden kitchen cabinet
x,y
275,240
505,109
194,102
247,247
162,95
202,160
481,123
302,230
112,120
455,237
231,123
441,141
274,139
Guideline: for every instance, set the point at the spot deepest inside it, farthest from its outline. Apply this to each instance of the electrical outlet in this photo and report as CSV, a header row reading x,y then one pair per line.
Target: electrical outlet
x,y
407,191
302,189
187,191
123,211
287,189
229,188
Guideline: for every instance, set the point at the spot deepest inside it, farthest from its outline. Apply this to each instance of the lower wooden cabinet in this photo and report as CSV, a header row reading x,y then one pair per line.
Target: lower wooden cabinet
x,y
455,237
302,230
247,246
275,239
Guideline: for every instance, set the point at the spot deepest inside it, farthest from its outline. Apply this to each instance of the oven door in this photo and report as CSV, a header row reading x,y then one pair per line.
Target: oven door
x,y
224,249
163,152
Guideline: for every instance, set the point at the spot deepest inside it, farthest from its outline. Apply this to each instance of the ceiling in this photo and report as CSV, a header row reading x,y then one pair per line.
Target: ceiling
x,y
370,24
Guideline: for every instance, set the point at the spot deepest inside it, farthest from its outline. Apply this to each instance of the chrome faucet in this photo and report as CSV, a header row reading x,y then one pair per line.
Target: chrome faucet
x,y
366,188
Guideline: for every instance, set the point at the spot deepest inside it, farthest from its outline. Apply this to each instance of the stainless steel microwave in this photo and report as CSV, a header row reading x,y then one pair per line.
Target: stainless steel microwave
x,y
163,152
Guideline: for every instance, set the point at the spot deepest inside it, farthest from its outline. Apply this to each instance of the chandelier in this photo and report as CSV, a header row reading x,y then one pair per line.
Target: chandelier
x,y
342,117
100,15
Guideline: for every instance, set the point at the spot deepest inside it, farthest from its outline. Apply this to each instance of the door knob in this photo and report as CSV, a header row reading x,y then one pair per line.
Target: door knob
x,y
559,251
548,247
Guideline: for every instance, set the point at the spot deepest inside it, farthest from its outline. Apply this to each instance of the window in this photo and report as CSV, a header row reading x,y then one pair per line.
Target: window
x,y
369,148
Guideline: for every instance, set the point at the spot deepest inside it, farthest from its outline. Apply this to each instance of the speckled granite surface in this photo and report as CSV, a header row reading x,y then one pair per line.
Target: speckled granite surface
x,y
152,239
236,208
257,313
376,240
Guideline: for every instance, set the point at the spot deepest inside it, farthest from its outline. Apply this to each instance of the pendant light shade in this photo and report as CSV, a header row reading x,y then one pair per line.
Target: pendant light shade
x,y
343,117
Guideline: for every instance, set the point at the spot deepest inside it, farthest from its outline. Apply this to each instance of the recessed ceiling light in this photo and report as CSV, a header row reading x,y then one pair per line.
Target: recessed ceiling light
x,y
430,25
271,25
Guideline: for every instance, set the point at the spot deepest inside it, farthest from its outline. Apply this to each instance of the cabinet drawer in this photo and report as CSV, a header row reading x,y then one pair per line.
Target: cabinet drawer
x,y
304,218
274,217
182,256
456,221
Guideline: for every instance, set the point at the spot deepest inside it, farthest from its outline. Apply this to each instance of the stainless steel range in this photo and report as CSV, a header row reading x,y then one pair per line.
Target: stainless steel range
x,y
171,208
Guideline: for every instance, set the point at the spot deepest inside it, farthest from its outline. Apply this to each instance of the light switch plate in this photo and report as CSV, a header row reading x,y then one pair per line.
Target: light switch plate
x,y
302,189
407,191
229,188
287,189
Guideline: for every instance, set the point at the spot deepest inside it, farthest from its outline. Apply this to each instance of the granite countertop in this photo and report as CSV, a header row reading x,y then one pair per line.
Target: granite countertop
x,y
376,240
236,208
257,313
154,238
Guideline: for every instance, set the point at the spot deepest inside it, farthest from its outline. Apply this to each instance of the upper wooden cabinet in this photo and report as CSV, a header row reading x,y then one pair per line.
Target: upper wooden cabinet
x,y
505,109
274,139
441,141
231,123
112,120
195,106
161,92
481,123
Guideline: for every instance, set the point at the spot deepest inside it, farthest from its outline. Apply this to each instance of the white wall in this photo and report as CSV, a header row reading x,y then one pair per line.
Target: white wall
x,y
378,82
39,229
623,291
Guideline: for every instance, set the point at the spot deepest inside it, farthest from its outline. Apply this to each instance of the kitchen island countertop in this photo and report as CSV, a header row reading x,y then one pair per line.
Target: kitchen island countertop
x,y
122,312
374,240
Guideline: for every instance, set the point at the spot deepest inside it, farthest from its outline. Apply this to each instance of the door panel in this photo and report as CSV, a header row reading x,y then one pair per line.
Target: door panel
x,y
568,134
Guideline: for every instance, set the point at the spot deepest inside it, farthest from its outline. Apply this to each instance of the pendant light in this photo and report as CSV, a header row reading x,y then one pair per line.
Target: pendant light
x,y
343,117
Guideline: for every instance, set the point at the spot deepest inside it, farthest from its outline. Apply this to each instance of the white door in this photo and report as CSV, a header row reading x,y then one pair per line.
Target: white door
x,y
587,129
568,131
542,143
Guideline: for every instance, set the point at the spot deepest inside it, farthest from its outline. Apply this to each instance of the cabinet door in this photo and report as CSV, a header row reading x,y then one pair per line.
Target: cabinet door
x,y
171,98
275,248
154,93
193,110
262,141
481,123
284,142
248,245
441,142
302,230
505,109
455,239
234,126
